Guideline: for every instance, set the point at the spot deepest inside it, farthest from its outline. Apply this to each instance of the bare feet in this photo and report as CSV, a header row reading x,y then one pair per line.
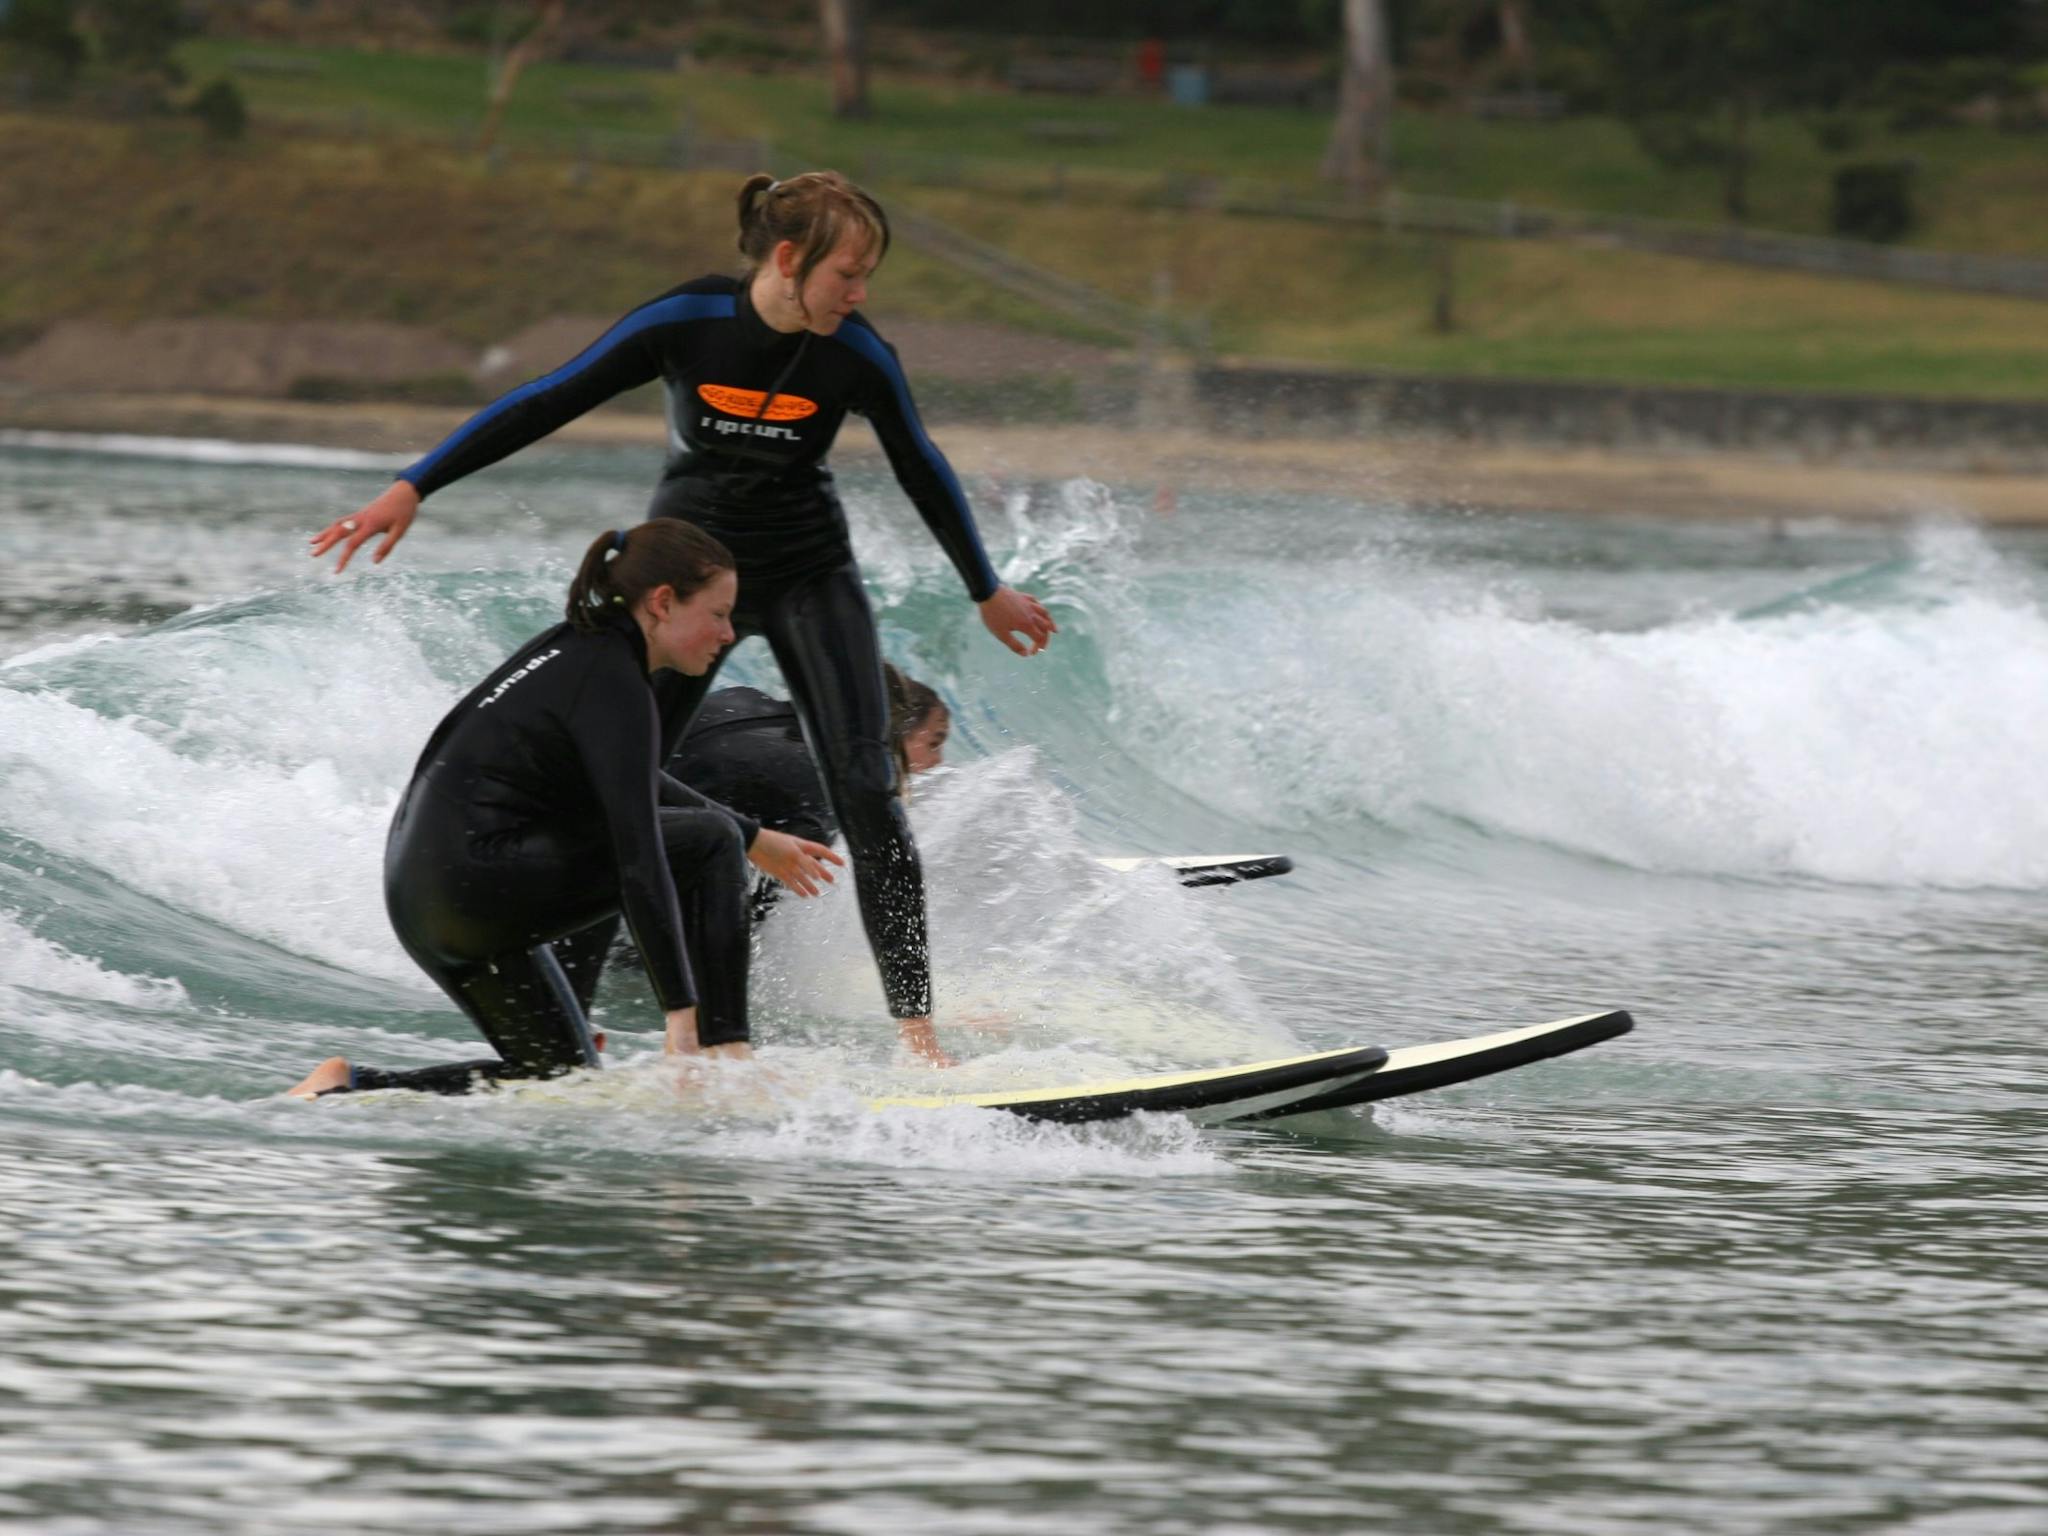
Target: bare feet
x,y
923,1040
331,1073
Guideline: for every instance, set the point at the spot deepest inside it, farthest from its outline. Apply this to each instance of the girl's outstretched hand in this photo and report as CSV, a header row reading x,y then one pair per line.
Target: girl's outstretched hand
x,y
391,514
797,862
1009,613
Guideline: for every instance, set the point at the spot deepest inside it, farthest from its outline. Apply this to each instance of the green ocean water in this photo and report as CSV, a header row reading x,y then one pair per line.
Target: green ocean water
x,y
1773,1261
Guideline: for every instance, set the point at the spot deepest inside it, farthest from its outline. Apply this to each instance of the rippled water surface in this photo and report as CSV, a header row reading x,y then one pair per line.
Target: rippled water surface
x,y
1772,1262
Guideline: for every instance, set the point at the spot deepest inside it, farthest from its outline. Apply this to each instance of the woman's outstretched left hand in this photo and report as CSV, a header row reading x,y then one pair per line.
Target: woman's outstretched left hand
x,y
1009,613
797,862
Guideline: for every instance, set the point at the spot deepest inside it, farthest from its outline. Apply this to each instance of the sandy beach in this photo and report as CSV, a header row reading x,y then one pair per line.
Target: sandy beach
x,y
1426,473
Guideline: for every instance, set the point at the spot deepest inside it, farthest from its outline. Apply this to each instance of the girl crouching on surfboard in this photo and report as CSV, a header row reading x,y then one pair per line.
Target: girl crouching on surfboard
x,y
538,814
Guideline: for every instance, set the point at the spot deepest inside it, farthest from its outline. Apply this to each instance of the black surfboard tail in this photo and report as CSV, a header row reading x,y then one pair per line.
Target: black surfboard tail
x,y
1206,868
1418,1068
1203,1091
1232,872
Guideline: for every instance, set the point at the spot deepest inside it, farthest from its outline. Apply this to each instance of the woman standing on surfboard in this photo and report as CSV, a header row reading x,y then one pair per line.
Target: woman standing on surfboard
x,y
760,372
538,814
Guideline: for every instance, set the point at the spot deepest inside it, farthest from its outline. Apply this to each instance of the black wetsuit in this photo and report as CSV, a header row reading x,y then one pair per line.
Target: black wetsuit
x,y
746,750
538,813
752,412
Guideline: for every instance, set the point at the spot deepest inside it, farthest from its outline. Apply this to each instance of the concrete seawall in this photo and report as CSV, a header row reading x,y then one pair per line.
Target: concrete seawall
x,y
1932,433
986,375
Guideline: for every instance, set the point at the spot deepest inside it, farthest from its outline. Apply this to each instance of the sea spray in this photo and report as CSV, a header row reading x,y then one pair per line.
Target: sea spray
x,y
1884,739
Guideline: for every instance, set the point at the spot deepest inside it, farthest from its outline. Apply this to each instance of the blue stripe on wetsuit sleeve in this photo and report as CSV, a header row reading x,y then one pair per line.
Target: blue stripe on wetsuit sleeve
x,y
872,347
684,306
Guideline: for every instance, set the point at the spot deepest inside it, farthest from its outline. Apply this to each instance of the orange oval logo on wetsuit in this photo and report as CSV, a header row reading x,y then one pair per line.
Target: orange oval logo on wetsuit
x,y
748,403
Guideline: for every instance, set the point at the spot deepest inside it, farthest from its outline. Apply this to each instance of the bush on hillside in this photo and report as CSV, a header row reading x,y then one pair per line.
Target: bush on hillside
x,y
1874,200
489,26
221,111
1836,132
139,35
41,38
1578,76
1922,96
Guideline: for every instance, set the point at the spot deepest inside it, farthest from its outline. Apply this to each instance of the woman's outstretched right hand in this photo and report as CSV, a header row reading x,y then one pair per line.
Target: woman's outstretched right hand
x,y
391,514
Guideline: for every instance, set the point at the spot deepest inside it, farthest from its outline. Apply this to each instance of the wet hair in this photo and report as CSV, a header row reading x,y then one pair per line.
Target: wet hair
x,y
815,212
626,564
911,707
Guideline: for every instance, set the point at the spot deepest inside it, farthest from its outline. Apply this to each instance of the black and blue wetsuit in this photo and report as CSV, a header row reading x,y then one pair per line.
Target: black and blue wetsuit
x,y
537,814
752,412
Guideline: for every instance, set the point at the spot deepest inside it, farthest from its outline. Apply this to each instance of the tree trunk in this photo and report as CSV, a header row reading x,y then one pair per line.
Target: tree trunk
x,y
1357,153
523,53
1443,314
1735,180
846,50
1514,43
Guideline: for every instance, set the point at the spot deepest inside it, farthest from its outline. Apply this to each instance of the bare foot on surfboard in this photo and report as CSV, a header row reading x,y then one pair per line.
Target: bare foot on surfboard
x,y
331,1073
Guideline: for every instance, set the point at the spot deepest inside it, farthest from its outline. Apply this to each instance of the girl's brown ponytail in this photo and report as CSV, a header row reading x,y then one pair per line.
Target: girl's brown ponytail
x,y
624,565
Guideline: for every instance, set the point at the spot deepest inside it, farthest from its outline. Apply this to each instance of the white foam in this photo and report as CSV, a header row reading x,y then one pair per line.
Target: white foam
x,y
56,650
804,1107
1033,943
243,769
29,961
1894,740
981,1143
1059,546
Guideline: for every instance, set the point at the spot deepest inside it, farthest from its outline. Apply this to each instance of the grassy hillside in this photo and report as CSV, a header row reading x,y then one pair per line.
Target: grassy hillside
x,y
126,221
1272,289
130,221
1980,189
